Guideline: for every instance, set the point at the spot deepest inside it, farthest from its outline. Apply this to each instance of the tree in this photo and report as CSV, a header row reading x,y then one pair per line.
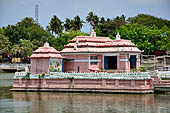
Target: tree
x,y
146,38
58,43
148,20
15,51
56,25
92,17
27,29
68,24
26,48
108,27
78,23
1,31
119,21
4,44
75,24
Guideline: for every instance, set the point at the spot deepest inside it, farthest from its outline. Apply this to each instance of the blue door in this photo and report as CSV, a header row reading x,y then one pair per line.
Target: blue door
x,y
132,61
105,62
62,65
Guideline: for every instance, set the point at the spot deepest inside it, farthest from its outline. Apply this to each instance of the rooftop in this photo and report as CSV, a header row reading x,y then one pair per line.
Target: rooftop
x,y
46,52
92,43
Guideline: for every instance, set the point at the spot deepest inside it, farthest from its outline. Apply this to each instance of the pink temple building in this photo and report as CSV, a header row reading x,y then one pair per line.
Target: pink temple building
x,y
87,54
45,60
92,53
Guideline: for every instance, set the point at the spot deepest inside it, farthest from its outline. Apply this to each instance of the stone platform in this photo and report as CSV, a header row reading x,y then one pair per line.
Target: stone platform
x,y
86,82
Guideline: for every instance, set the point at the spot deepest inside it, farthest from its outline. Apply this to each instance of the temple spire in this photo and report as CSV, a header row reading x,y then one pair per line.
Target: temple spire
x,y
46,44
93,33
118,36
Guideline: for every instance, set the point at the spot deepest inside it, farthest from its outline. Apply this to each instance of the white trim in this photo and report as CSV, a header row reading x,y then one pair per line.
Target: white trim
x,y
124,59
134,54
85,61
100,53
111,54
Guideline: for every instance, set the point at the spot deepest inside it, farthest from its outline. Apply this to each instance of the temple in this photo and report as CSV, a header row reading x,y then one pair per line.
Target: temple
x,y
87,54
92,53
45,60
89,64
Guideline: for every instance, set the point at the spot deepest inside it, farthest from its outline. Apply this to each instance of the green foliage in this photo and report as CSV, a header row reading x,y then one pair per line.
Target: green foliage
x,y
143,69
59,42
109,26
1,31
4,44
146,38
149,33
28,76
42,75
112,37
15,51
148,20
27,29
56,25
92,17
75,24
26,48
133,70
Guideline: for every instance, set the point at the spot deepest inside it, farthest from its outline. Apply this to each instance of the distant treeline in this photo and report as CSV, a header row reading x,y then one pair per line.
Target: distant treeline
x,y
148,32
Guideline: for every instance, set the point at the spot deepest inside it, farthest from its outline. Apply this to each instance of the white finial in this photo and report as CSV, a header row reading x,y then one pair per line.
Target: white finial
x,y
46,44
93,33
77,41
118,36
75,46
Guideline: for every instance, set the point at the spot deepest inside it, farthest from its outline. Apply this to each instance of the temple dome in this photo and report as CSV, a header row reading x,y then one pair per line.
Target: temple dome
x,y
46,52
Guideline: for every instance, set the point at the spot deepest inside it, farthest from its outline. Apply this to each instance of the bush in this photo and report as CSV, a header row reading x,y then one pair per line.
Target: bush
x,y
28,76
143,69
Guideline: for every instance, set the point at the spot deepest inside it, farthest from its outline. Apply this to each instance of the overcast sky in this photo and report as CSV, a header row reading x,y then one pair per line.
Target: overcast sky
x,y
12,11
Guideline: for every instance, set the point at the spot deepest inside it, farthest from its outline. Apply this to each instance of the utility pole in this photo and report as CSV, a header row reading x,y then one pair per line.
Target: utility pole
x,y
36,14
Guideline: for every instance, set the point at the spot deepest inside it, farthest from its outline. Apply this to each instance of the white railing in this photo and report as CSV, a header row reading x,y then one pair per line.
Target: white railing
x,y
13,66
140,75
20,75
59,75
164,74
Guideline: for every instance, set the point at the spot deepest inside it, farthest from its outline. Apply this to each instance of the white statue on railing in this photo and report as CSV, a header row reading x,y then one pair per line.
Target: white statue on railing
x,y
26,69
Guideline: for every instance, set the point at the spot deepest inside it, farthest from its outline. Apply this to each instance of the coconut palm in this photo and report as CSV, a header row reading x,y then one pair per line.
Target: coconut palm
x,y
69,24
92,19
56,25
78,23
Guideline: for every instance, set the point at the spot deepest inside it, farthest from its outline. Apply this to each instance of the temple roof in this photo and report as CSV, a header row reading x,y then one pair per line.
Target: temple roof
x,y
46,52
99,44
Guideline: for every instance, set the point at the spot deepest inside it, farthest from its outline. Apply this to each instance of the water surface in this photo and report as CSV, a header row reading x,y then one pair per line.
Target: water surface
x,y
57,102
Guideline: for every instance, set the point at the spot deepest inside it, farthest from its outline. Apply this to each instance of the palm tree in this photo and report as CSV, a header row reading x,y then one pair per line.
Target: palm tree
x,y
68,24
92,18
119,21
102,20
56,25
78,23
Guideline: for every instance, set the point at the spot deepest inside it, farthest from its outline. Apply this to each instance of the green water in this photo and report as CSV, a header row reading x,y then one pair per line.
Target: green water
x,y
55,102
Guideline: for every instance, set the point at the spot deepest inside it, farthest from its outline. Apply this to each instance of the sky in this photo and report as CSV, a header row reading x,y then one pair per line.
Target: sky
x,y
13,11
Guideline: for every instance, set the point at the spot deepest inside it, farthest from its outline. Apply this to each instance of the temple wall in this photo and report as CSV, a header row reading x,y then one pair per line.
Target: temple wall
x,y
39,66
81,60
124,64
101,85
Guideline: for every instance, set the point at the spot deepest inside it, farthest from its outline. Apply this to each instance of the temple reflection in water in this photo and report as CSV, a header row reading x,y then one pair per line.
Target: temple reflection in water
x,y
93,103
